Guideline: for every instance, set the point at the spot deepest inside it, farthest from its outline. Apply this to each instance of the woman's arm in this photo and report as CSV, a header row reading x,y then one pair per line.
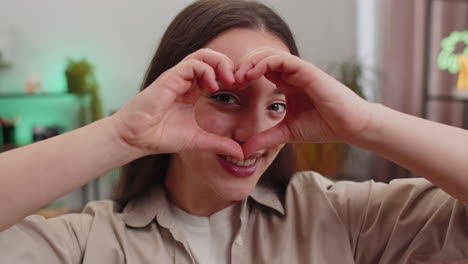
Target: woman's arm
x,y
435,151
320,109
35,175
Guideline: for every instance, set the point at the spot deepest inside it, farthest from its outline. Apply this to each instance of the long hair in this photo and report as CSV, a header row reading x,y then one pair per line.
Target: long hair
x,y
190,30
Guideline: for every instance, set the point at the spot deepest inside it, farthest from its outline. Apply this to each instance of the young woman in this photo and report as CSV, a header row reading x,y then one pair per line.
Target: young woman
x,y
208,176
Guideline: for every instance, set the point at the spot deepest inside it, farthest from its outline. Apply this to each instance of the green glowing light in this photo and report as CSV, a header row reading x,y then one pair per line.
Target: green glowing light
x,y
448,60
63,110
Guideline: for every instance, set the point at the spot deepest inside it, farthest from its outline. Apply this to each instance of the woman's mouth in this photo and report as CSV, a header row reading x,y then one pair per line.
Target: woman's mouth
x,y
239,168
241,163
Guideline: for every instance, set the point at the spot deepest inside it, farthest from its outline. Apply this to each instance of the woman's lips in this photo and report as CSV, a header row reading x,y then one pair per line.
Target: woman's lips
x,y
238,171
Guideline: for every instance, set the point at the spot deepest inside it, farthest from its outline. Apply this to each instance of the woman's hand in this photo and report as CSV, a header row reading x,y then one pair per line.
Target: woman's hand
x,y
319,108
161,118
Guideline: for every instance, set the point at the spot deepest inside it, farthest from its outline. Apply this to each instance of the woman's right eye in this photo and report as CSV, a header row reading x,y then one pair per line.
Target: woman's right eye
x,y
225,98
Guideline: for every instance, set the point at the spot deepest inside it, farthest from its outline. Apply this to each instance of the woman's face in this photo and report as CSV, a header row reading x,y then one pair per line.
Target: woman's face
x,y
238,115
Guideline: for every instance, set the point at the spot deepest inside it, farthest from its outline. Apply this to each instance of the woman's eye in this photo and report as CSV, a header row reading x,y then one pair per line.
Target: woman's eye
x,y
225,98
279,108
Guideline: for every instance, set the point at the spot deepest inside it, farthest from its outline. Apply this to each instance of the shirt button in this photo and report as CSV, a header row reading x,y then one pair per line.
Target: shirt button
x,y
239,241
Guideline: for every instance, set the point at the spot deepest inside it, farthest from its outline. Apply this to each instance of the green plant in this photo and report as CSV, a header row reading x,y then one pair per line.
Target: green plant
x,y
81,80
351,75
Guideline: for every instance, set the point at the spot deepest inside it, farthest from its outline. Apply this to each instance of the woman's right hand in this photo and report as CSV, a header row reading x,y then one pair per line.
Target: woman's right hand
x,y
161,119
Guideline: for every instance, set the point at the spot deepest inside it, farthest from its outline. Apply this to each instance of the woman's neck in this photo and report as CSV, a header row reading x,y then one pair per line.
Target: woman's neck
x,y
194,197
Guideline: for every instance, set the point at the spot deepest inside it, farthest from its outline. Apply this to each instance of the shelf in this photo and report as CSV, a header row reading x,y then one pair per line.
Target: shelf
x,y
460,94
429,64
38,95
69,111
446,98
456,96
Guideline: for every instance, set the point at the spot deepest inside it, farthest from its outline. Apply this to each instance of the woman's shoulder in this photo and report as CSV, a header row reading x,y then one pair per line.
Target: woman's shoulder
x,y
98,209
311,187
98,212
309,183
312,179
67,236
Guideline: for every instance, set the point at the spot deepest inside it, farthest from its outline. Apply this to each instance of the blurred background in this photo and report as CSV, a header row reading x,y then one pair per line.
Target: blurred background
x,y
66,63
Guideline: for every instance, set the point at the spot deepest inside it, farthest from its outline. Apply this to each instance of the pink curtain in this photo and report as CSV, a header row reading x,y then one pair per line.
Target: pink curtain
x,y
404,38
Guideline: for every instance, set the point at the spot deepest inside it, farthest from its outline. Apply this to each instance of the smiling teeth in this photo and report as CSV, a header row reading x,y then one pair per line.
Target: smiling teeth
x,y
241,163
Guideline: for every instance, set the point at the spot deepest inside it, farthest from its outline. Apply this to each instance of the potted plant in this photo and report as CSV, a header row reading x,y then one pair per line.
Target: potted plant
x,y
81,80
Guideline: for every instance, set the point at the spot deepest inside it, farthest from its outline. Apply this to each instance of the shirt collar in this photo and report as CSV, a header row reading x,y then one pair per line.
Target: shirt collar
x,y
267,197
142,211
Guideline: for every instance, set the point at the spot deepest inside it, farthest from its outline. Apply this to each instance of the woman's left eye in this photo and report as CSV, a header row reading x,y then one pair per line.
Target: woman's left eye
x,y
279,108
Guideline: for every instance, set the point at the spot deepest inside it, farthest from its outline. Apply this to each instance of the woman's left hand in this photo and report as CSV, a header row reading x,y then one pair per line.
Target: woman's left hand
x,y
319,108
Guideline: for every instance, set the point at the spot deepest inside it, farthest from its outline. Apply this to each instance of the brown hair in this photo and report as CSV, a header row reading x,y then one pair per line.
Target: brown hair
x,y
190,30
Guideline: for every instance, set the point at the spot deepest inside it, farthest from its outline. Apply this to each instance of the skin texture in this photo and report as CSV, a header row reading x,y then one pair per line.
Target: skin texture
x,y
196,182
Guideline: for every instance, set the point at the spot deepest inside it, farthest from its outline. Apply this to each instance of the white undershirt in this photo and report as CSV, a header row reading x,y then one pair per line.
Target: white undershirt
x,y
209,238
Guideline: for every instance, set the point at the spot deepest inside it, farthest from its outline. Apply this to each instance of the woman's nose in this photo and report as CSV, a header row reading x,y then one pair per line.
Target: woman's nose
x,y
248,125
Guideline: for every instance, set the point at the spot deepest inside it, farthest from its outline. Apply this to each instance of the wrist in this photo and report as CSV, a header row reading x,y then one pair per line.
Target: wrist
x,y
118,148
371,130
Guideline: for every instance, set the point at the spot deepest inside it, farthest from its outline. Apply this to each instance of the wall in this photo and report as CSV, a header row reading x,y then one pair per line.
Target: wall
x,y
119,38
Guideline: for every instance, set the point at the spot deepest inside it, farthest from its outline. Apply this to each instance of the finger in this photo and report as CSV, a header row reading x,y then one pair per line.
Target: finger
x,y
279,63
287,69
192,71
274,136
174,84
250,61
222,64
253,59
218,144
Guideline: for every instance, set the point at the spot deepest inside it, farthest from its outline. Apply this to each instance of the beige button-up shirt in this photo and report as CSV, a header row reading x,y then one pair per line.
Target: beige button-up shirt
x,y
317,221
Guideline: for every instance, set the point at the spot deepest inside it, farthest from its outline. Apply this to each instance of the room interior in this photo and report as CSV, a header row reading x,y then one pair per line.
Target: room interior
x,y
65,64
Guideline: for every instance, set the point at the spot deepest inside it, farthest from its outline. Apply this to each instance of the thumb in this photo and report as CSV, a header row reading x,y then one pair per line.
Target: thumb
x,y
206,141
274,136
